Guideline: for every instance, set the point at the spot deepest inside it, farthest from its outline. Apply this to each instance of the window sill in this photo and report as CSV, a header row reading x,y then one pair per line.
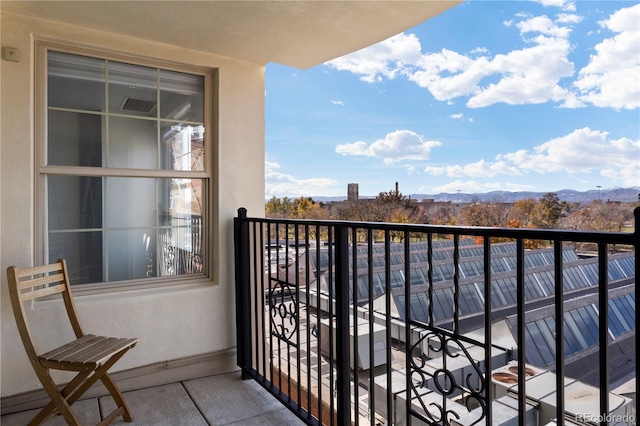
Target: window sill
x,y
160,285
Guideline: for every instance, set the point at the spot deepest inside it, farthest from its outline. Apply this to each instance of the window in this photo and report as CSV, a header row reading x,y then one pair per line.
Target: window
x,y
124,167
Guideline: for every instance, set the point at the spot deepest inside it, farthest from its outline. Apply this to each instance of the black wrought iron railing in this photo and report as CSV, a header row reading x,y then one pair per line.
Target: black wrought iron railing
x,y
355,323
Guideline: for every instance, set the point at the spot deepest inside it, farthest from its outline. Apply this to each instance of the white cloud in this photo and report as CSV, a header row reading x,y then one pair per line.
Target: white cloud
x,y
435,170
396,146
463,74
529,75
583,151
569,5
610,80
281,184
475,170
411,168
538,73
338,103
569,18
460,116
383,60
480,50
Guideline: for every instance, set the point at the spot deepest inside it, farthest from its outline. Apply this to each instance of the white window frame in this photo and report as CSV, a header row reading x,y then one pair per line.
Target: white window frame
x,y
42,170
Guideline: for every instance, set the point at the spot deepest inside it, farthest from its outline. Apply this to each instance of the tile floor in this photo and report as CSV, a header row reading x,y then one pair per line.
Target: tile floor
x,y
224,399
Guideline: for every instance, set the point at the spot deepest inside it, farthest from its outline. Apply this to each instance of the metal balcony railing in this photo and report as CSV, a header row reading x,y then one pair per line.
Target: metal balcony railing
x,y
357,323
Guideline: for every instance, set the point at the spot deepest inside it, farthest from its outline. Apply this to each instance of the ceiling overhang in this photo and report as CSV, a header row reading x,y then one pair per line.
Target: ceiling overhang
x,y
294,33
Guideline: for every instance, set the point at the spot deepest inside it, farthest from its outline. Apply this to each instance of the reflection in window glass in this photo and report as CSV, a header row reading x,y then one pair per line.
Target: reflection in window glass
x,y
181,96
132,89
74,139
75,82
182,147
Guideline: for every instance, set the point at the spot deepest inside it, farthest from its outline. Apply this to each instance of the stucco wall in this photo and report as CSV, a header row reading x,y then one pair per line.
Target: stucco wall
x,y
171,322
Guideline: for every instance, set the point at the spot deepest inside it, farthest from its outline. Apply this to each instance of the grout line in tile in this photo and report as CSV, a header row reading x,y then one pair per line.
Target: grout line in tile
x,y
195,403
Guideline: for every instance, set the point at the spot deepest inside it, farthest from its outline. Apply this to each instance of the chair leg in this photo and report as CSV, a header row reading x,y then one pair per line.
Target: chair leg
x,y
50,409
62,400
117,396
101,373
58,401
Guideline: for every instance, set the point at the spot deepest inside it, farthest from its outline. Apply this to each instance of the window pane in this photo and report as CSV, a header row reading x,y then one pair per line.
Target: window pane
x,y
74,139
396,279
132,89
180,202
133,143
75,81
181,96
573,345
181,242
417,277
75,202
130,202
571,324
531,350
83,253
591,323
363,288
626,309
131,254
583,327
182,147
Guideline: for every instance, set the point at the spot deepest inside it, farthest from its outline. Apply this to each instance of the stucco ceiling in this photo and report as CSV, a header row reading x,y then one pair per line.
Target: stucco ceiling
x,y
294,33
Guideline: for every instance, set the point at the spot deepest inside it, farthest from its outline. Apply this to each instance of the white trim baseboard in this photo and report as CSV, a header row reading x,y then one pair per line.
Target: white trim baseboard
x,y
156,374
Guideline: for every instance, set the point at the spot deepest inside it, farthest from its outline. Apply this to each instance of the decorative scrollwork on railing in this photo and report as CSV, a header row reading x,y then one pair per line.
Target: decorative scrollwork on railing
x,y
467,383
283,309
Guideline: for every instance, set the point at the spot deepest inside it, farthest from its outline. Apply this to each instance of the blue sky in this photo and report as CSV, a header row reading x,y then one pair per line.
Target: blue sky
x,y
490,95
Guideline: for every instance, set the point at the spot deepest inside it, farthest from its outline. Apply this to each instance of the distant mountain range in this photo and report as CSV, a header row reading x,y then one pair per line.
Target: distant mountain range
x,y
570,195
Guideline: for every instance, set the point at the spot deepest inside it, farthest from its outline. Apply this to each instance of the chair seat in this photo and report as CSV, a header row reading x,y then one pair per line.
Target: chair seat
x,y
87,352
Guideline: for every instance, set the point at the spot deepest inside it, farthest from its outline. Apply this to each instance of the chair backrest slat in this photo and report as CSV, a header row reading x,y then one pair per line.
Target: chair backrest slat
x,y
46,280
39,270
39,281
47,291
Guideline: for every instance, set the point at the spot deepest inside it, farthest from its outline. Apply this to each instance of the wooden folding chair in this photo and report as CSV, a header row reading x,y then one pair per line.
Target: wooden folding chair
x,y
89,355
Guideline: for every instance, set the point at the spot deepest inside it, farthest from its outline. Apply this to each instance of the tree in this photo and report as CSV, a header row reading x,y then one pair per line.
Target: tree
x,y
598,216
300,207
443,214
548,211
278,208
521,214
388,205
493,214
394,198
317,211
525,214
399,216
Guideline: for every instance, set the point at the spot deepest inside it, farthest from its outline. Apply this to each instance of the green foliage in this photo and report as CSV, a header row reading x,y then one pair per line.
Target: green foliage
x,y
549,210
278,208
394,198
532,213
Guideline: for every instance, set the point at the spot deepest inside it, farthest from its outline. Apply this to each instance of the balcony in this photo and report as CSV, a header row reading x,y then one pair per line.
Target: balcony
x,y
371,323
324,327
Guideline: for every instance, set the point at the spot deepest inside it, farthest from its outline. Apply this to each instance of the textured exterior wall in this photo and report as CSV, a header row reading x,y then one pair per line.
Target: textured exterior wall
x,y
173,321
